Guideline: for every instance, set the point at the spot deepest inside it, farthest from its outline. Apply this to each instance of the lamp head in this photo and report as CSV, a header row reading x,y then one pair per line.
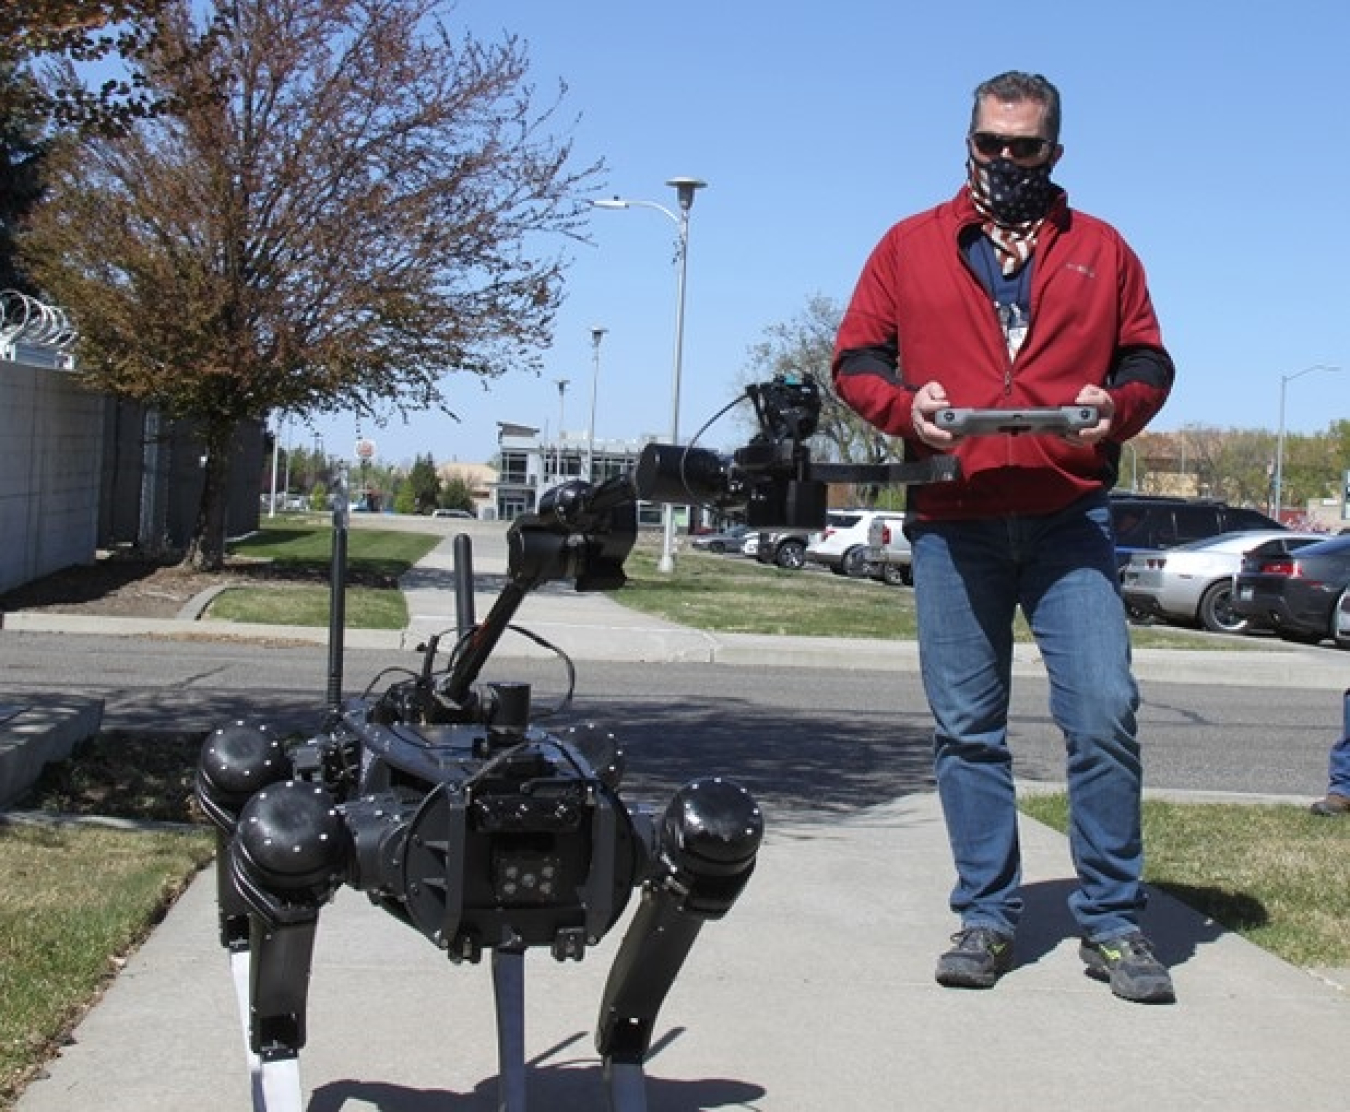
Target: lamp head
x,y
610,203
684,190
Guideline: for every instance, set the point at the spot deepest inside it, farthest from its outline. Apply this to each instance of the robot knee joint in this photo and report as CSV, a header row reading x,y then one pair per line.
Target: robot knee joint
x,y
710,835
290,850
237,761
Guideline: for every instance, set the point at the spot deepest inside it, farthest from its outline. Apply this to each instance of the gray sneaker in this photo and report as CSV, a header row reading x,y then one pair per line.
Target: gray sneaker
x,y
1127,964
1334,804
980,957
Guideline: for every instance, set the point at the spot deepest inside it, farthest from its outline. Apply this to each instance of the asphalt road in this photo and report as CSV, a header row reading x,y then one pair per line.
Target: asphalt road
x,y
803,739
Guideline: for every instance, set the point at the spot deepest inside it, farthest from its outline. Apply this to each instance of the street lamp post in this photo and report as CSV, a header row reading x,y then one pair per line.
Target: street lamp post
x,y
684,192
597,334
1285,380
562,393
276,460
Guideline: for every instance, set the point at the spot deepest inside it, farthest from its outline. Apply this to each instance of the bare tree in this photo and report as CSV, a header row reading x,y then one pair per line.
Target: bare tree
x,y
804,346
348,204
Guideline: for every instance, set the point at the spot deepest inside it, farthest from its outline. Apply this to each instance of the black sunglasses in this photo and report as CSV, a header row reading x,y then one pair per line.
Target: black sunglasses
x,y
1019,146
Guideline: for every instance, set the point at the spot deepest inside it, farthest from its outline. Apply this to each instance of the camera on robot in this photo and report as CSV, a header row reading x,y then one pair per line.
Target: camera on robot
x,y
772,480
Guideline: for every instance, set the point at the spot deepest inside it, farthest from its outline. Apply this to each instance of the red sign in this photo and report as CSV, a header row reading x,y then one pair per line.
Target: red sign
x,y
365,449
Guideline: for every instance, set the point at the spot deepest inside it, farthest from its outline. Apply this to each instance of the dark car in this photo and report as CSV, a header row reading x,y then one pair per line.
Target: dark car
x,y
1144,522
1301,596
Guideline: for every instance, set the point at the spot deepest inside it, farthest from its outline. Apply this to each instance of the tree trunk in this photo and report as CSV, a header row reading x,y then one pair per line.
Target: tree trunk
x,y
206,546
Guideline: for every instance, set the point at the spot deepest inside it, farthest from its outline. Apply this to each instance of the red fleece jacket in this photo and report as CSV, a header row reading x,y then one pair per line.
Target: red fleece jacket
x,y
920,314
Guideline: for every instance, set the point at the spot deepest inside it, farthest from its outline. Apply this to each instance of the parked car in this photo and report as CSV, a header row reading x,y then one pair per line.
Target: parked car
x,y
451,513
1340,620
1192,584
842,546
724,540
1301,596
1144,522
889,553
785,547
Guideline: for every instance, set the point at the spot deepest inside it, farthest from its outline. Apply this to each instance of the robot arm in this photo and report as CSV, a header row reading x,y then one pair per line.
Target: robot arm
x,y
579,532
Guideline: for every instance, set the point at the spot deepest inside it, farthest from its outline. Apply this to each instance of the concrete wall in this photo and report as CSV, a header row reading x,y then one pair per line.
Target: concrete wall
x,y
152,480
51,455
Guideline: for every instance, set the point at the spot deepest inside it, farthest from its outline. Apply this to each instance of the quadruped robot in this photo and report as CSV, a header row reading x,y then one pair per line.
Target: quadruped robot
x,y
442,801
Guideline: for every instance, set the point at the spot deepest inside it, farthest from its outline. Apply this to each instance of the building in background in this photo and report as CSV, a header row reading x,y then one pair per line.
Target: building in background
x,y
529,464
480,479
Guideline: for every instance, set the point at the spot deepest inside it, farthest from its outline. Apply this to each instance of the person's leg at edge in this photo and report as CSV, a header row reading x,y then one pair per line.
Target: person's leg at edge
x,y
1337,800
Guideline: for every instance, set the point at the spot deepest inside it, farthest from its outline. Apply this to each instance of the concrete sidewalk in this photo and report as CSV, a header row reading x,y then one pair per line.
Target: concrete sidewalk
x,y
815,994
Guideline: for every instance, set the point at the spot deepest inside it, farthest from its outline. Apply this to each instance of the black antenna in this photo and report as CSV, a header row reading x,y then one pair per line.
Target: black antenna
x,y
337,589
464,618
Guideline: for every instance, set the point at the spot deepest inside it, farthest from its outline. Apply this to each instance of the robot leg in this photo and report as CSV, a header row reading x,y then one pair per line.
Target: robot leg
x,y
708,839
289,855
236,761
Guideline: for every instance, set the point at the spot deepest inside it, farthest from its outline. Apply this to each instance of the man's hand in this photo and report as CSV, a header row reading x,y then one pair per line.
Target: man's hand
x,y
1106,412
928,399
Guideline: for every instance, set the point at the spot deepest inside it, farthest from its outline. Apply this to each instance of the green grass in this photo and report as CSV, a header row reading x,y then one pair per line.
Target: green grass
x,y
75,900
305,547
365,607
1276,874
734,594
295,564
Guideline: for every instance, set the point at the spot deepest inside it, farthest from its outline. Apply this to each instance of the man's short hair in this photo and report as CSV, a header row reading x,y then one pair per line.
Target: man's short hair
x,y
1016,86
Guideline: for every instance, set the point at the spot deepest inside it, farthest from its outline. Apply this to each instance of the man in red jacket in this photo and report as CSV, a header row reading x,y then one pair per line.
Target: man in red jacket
x,y
1004,297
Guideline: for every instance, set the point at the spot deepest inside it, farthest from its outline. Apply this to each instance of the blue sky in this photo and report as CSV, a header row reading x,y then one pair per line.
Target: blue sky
x,y
1213,136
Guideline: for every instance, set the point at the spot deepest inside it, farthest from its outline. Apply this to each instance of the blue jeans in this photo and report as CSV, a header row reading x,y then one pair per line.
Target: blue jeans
x,y
969,578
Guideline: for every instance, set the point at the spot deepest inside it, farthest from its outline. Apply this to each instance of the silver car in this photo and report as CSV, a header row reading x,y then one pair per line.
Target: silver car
x,y
727,540
1192,584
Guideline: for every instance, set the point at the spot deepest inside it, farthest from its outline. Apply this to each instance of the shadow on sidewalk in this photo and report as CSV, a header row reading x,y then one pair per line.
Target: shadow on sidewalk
x,y
800,764
1176,930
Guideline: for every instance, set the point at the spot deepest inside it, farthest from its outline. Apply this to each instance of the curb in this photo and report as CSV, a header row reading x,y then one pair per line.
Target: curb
x,y
34,734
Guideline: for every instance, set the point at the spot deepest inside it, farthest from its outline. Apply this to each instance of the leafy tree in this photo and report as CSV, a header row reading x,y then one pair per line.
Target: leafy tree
x,y
456,494
1312,469
47,49
424,484
342,210
44,42
405,501
21,152
1339,434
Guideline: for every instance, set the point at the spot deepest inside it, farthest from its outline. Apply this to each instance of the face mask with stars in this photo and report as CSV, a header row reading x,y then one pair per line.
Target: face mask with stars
x,y
1009,193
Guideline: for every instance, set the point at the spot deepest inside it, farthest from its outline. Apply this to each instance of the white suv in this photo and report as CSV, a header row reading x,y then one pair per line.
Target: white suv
x,y
843,544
